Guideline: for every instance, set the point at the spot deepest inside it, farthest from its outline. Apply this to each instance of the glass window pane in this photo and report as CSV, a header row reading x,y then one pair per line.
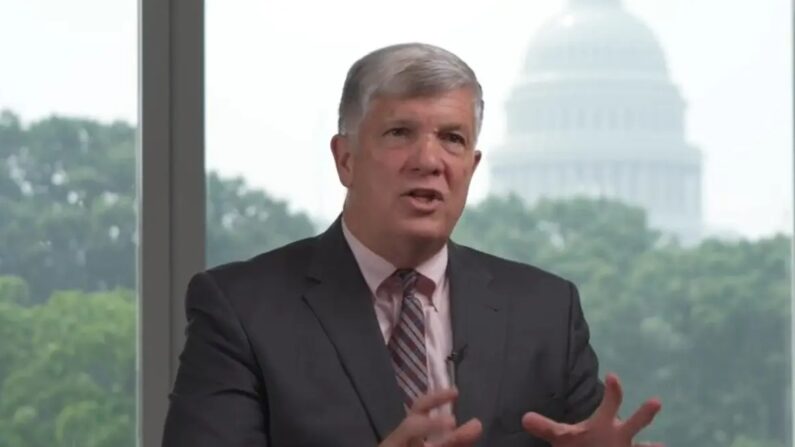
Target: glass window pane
x,y
641,149
68,106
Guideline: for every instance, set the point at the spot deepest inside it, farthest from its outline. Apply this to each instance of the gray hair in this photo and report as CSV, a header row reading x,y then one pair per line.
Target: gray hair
x,y
404,70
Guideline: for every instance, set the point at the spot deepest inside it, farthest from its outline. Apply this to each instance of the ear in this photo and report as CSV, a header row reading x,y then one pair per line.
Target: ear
x,y
478,155
341,148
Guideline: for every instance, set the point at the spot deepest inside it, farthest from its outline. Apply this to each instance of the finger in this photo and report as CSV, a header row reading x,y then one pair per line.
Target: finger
x,y
428,402
465,435
416,427
543,427
641,418
611,401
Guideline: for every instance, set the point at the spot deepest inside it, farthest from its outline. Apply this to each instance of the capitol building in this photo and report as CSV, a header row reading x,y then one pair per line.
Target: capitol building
x,y
595,113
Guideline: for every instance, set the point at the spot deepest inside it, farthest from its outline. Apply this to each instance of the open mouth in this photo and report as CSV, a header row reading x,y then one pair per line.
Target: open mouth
x,y
425,195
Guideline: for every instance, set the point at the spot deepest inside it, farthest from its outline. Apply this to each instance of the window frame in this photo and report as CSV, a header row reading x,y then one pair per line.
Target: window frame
x,y
171,193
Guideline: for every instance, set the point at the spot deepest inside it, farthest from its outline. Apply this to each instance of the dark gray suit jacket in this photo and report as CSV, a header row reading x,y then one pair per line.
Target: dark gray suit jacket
x,y
285,350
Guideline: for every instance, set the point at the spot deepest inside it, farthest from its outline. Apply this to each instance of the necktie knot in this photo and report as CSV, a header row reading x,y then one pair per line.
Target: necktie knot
x,y
408,280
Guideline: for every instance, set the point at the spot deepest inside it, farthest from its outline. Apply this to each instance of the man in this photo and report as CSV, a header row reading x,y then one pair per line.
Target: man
x,y
382,331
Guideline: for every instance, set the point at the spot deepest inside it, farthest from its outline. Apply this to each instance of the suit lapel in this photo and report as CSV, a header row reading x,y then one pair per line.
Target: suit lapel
x,y
343,303
479,325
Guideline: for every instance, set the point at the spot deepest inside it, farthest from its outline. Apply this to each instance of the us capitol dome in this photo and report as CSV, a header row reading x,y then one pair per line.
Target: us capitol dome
x,y
595,113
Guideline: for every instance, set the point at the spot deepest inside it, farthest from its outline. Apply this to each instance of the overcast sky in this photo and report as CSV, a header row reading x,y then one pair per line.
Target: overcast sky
x,y
275,69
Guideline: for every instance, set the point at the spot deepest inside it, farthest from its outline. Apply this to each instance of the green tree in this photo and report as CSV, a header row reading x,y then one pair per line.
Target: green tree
x,y
243,222
67,204
709,331
72,378
14,290
14,327
67,201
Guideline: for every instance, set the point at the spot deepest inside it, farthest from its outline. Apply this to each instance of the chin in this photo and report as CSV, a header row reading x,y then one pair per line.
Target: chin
x,y
423,229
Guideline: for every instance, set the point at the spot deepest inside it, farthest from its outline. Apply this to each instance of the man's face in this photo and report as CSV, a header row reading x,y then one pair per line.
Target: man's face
x,y
409,166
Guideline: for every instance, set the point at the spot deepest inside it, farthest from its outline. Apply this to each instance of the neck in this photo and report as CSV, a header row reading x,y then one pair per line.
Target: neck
x,y
402,252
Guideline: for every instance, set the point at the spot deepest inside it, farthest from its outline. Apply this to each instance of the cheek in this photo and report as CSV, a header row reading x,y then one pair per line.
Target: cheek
x,y
377,182
459,187
458,181
386,172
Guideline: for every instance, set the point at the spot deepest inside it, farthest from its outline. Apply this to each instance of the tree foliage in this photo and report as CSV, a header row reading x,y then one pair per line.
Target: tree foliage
x,y
243,222
70,377
67,204
68,207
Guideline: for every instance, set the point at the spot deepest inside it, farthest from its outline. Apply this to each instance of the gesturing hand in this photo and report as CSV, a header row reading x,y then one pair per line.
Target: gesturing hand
x,y
602,429
419,425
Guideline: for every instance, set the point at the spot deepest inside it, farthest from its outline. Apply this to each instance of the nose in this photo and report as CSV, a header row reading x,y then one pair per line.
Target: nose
x,y
427,157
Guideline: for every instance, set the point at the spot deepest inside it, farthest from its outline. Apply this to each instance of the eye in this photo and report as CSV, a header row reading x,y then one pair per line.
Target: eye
x,y
397,132
454,138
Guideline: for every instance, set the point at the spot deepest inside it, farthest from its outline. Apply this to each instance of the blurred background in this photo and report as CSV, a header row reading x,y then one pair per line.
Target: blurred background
x,y
642,149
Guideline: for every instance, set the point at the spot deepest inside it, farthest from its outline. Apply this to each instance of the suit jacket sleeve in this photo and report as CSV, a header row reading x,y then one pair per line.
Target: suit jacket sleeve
x,y
218,398
584,389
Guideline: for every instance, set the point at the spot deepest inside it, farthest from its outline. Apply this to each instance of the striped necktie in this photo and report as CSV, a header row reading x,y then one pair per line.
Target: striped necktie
x,y
407,344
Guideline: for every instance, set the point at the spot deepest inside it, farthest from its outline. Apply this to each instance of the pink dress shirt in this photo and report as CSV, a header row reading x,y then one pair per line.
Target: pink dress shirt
x,y
433,290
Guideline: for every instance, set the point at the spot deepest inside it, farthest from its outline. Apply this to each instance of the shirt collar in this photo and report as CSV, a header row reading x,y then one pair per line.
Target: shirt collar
x,y
376,270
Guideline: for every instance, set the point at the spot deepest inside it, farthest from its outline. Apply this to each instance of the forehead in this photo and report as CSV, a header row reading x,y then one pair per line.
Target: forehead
x,y
456,106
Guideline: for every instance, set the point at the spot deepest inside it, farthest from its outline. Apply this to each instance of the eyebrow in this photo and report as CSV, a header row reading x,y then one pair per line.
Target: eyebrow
x,y
454,127
403,122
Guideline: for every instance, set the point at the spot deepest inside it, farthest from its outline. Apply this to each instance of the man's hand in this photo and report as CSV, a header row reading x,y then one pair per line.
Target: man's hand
x,y
419,425
602,429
